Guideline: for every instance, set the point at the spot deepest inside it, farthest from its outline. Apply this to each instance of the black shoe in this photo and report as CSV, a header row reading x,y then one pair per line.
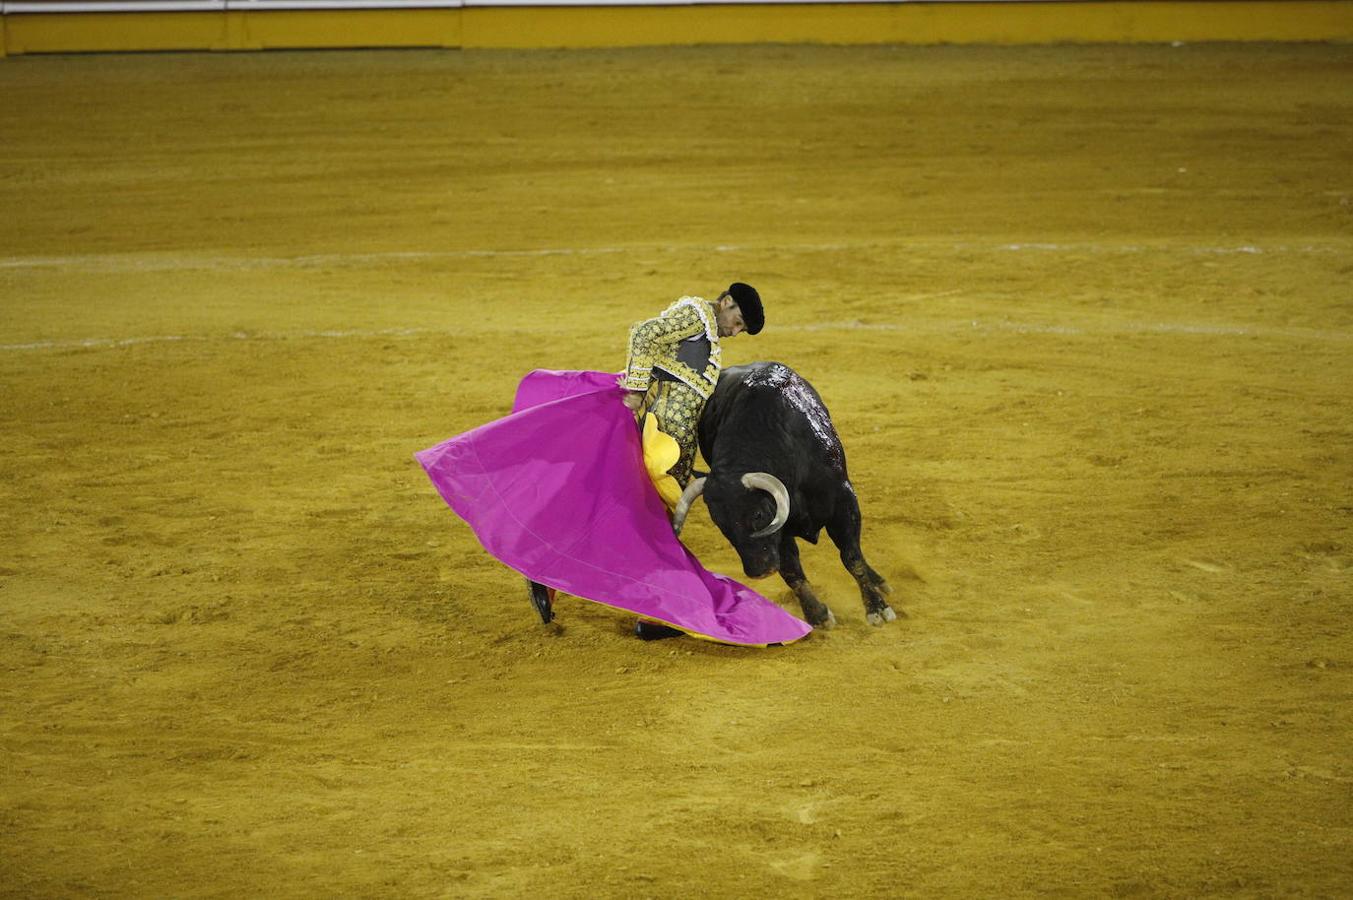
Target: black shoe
x,y
652,631
542,598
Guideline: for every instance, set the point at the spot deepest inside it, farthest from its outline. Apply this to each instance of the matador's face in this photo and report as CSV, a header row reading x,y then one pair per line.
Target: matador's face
x,y
729,317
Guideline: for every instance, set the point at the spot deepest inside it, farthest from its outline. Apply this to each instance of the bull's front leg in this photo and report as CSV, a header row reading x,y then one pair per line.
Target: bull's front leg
x,y
815,612
844,530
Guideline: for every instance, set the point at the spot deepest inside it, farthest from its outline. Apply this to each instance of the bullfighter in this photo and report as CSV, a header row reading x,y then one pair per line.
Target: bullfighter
x,y
674,364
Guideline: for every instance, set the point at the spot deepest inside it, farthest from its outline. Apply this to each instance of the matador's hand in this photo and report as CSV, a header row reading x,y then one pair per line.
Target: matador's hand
x,y
634,401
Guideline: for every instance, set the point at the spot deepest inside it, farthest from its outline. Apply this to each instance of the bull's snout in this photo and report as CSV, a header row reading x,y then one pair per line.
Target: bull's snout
x,y
760,566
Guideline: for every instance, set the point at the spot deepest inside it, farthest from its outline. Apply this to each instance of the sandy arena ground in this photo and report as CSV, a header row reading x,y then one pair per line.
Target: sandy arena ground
x,y
1084,320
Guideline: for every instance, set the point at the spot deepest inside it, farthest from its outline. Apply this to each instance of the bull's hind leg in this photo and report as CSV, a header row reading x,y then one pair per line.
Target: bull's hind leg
x,y
542,599
844,529
791,570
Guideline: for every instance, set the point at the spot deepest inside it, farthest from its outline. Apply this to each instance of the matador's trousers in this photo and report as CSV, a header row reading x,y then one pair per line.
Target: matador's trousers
x,y
677,408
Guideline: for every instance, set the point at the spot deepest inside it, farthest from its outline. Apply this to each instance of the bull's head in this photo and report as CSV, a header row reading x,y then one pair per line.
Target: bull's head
x,y
750,511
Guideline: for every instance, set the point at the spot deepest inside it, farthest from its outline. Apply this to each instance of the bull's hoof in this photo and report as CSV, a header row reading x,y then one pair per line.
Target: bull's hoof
x,y
826,622
881,616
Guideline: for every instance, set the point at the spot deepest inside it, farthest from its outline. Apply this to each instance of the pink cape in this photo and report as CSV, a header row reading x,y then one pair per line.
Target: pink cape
x,y
558,491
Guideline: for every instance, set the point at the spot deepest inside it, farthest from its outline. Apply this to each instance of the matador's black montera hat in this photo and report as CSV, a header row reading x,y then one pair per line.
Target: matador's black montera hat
x,y
749,304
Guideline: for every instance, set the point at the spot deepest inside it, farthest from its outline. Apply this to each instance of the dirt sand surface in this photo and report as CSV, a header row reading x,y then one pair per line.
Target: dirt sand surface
x,y
1083,317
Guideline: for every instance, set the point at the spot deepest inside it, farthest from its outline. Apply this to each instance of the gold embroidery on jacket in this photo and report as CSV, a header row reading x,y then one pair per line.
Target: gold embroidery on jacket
x,y
654,344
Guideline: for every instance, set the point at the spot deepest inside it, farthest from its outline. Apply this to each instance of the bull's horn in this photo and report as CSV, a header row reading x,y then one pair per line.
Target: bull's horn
x,y
764,481
693,490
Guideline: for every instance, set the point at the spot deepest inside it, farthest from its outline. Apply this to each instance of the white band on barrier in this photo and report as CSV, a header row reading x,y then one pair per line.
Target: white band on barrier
x,y
76,6
20,7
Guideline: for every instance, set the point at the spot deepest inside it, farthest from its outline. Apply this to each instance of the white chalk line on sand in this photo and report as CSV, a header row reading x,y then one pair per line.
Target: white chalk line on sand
x,y
1125,328
175,262
101,343
973,326
165,262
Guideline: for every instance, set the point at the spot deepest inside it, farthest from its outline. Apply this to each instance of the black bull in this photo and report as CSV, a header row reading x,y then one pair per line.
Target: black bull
x,y
777,474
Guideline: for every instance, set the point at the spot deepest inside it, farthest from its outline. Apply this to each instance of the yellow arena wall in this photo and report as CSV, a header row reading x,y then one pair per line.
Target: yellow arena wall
x,y
650,25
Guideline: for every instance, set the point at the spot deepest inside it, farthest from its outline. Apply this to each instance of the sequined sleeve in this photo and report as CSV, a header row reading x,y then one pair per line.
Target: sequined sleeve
x,y
656,341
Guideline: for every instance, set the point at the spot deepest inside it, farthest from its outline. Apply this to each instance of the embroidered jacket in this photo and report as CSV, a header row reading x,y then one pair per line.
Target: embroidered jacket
x,y
680,344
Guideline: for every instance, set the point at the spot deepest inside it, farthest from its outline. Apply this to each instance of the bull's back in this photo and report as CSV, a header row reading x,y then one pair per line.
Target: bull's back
x,y
780,401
